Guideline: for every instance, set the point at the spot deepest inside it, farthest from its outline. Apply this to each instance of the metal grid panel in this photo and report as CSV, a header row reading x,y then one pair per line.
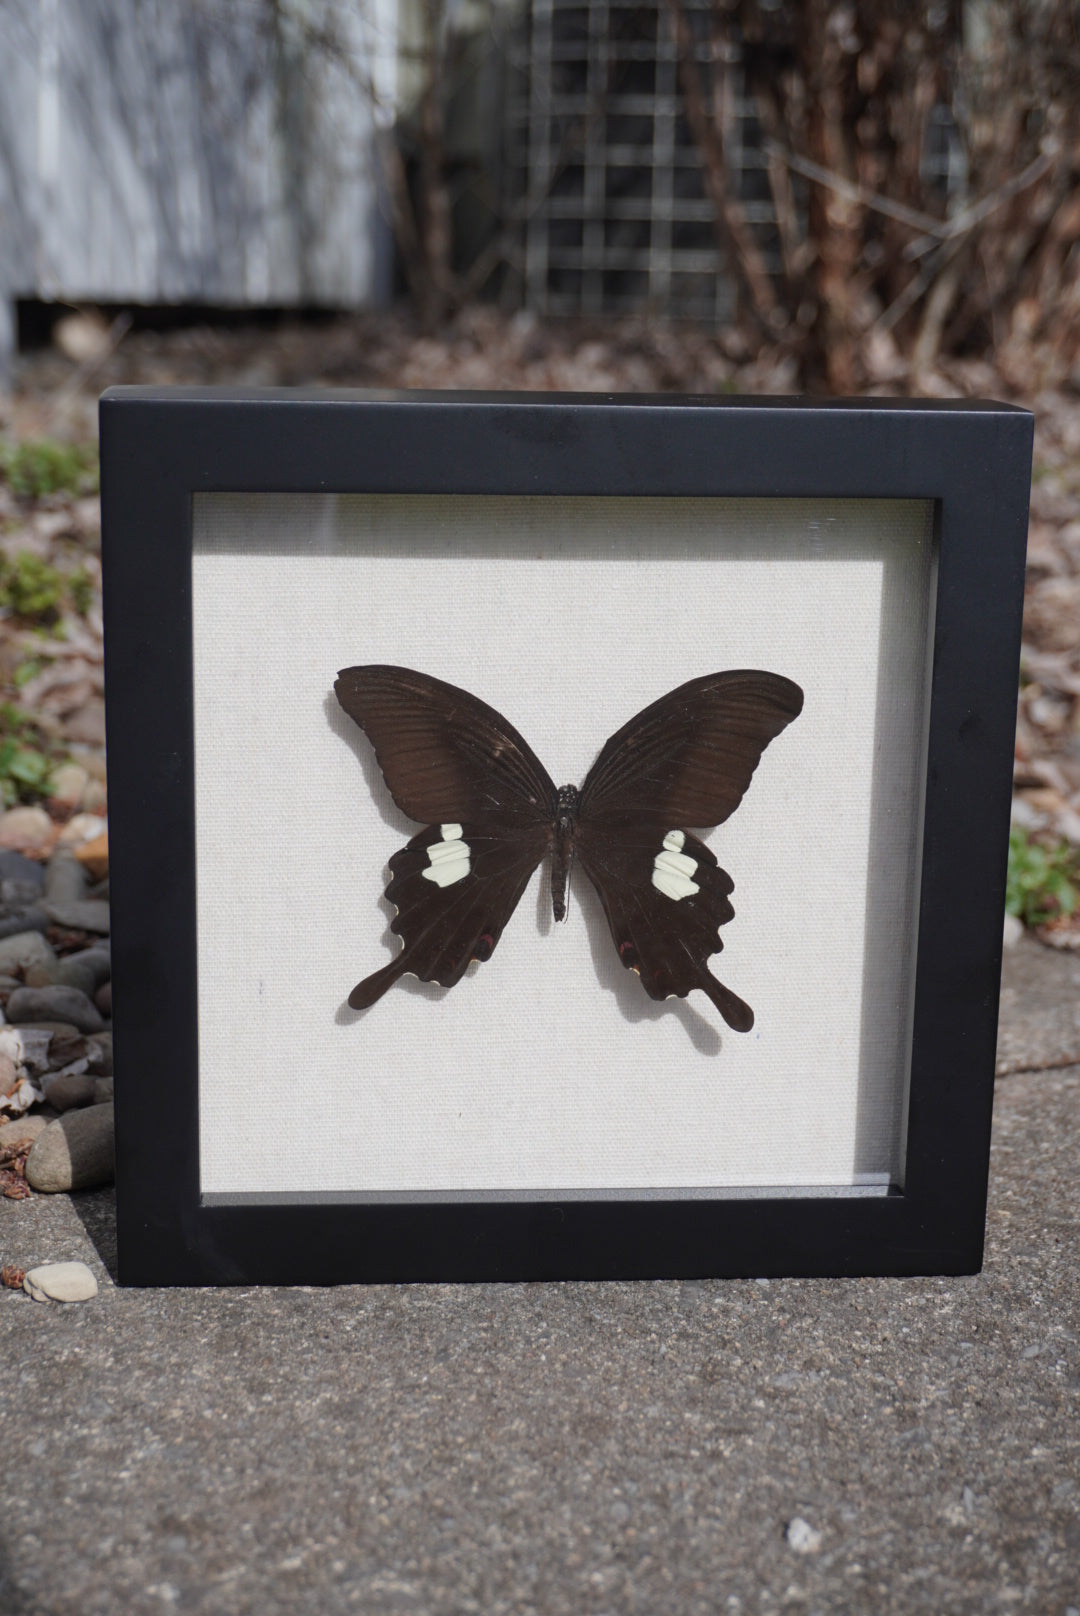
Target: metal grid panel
x,y
608,180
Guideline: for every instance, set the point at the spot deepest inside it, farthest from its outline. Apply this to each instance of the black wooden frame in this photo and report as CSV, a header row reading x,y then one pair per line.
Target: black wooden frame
x,y
160,446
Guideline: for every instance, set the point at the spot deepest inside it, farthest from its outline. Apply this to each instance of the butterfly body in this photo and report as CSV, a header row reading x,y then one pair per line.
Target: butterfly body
x,y
562,847
492,813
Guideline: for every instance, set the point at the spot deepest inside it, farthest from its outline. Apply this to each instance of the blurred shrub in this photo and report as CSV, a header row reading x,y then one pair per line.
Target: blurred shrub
x,y
25,765
1042,881
44,466
38,592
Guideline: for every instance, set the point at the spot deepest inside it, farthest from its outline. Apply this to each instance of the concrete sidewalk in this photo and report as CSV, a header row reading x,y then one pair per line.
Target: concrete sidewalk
x,y
638,1448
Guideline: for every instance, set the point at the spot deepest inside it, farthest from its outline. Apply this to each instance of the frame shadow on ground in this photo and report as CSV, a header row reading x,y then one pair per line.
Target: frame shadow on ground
x,y
96,1211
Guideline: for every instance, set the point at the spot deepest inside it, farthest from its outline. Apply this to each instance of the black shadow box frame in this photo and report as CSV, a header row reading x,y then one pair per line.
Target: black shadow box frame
x,y
163,446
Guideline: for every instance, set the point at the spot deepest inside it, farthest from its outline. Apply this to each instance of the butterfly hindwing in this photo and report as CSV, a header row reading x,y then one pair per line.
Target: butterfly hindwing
x,y
454,888
687,759
445,754
665,898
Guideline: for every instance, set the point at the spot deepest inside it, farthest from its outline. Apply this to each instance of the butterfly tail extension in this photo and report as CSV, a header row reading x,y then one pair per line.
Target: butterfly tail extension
x,y
372,988
735,1011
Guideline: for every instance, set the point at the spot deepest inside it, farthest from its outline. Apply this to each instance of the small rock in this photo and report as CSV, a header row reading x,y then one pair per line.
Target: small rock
x,y
83,828
12,1276
86,970
91,964
65,878
66,1045
103,998
62,1029
14,867
17,894
69,782
1025,815
53,1004
94,856
87,723
24,1130
99,1054
1013,931
23,949
94,797
103,1090
92,762
70,1090
32,919
801,1536
61,1282
9,1074
91,914
76,1152
27,830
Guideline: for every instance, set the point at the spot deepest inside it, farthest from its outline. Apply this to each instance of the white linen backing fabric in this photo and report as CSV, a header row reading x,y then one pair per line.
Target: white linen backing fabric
x,y
548,1067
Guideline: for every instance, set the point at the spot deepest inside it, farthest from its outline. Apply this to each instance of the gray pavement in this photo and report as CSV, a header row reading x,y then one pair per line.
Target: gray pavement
x,y
637,1448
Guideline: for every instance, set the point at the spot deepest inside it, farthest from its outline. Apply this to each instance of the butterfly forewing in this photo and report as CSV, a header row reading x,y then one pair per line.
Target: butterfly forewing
x,y
445,755
454,763
688,758
685,760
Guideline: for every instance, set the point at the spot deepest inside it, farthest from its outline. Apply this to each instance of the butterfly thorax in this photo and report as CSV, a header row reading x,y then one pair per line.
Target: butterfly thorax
x,y
562,848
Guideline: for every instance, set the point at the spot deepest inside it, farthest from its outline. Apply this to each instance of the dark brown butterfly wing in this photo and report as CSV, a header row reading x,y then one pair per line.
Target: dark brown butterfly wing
x,y
444,754
685,760
688,758
453,894
456,764
664,916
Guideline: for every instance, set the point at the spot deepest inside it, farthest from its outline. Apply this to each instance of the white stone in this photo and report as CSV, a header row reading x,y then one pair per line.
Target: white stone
x,y
61,1282
23,949
69,782
1013,931
26,829
83,828
802,1537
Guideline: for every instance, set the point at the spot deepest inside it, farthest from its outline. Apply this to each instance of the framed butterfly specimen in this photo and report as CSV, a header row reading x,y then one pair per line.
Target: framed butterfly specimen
x,y
495,812
637,592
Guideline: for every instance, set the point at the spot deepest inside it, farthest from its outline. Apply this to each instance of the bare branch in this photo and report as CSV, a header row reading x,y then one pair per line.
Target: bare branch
x,y
730,218
937,230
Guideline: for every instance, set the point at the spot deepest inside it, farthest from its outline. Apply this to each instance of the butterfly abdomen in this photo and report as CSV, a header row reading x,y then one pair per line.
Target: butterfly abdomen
x,y
562,847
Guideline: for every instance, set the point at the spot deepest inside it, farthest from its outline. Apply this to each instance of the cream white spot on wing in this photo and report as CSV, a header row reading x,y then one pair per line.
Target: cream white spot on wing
x,y
673,869
448,860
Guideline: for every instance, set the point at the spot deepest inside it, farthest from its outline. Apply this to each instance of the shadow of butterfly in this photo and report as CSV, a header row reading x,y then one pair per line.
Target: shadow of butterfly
x,y
492,812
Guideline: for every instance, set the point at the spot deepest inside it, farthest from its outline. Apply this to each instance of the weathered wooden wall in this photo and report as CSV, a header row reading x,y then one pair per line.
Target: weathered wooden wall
x,y
175,151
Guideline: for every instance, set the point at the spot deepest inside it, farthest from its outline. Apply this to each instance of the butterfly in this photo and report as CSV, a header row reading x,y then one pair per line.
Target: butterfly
x,y
491,812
